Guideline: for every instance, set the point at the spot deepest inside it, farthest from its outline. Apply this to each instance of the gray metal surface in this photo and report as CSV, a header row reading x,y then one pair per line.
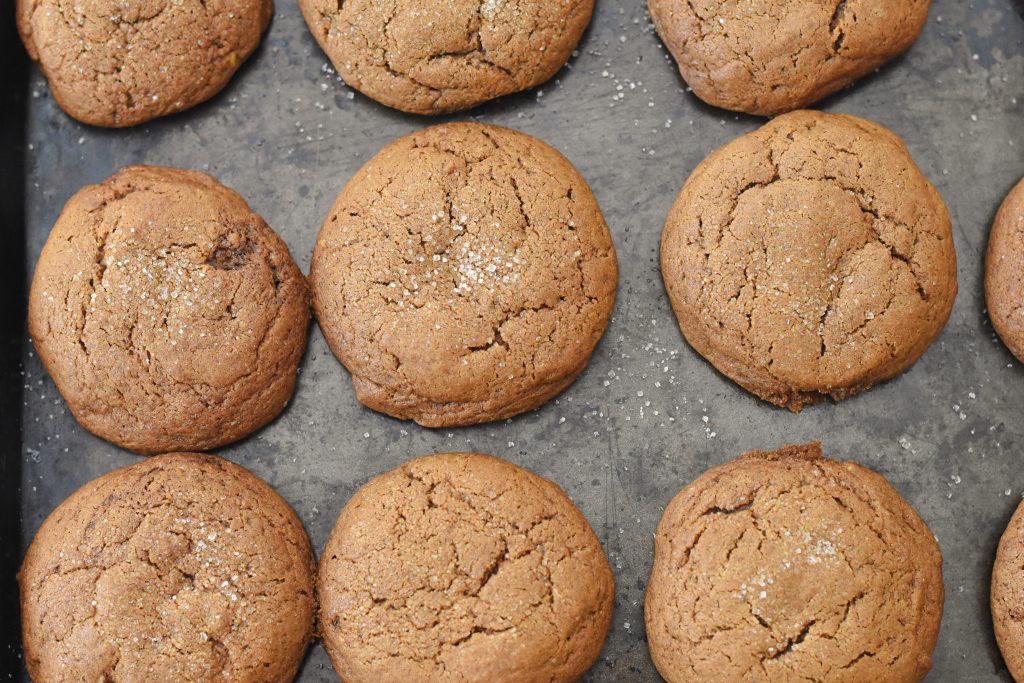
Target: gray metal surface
x,y
648,415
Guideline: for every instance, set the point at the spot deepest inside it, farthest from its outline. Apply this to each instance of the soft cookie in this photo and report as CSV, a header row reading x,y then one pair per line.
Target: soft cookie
x,y
463,275
463,567
767,57
181,567
786,566
1007,595
429,57
810,258
170,316
122,63
1004,272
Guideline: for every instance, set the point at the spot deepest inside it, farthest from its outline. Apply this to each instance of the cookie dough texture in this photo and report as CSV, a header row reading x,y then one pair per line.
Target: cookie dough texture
x,y
463,275
810,258
118,64
181,567
437,56
463,567
1004,272
767,57
170,316
786,566
1008,595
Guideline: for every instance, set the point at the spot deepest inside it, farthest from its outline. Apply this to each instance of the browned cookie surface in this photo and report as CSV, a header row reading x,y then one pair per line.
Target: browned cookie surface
x,y
767,57
170,316
114,63
1007,595
463,275
810,258
181,567
786,566
1004,272
436,56
463,567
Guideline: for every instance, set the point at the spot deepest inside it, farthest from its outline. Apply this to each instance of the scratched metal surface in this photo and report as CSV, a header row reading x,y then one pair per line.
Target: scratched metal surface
x,y
648,415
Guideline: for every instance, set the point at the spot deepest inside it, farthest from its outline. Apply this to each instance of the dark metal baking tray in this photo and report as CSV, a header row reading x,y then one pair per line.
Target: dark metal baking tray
x,y
648,415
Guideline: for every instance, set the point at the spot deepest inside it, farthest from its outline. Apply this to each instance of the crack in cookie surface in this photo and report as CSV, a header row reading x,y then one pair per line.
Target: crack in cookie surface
x,y
182,567
1004,271
169,315
434,57
463,567
115,64
787,566
810,258
465,274
766,57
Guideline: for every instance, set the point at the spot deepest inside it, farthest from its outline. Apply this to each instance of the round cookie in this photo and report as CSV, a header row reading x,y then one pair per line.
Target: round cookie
x,y
463,275
117,64
786,566
1008,595
767,57
170,316
428,57
463,567
1004,272
810,258
180,567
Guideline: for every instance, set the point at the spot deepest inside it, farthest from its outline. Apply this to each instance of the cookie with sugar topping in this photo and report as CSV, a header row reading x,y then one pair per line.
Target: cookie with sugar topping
x,y
119,64
169,315
786,566
181,567
437,56
767,57
463,275
810,258
463,567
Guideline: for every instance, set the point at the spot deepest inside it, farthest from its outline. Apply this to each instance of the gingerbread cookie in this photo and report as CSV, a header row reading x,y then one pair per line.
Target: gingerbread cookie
x,y
786,566
767,57
1008,595
429,57
463,567
463,275
118,64
182,567
810,258
1004,272
170,316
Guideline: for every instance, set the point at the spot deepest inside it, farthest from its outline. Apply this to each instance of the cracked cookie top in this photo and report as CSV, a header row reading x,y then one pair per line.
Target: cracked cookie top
x,y
116,63
170,316
786,566
463,275
766,57
437,56
1004,272
1007,596
181,567
463,567
810,258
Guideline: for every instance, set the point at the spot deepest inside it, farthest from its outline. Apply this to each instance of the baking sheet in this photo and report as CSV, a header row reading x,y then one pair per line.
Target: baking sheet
x,y
649,415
